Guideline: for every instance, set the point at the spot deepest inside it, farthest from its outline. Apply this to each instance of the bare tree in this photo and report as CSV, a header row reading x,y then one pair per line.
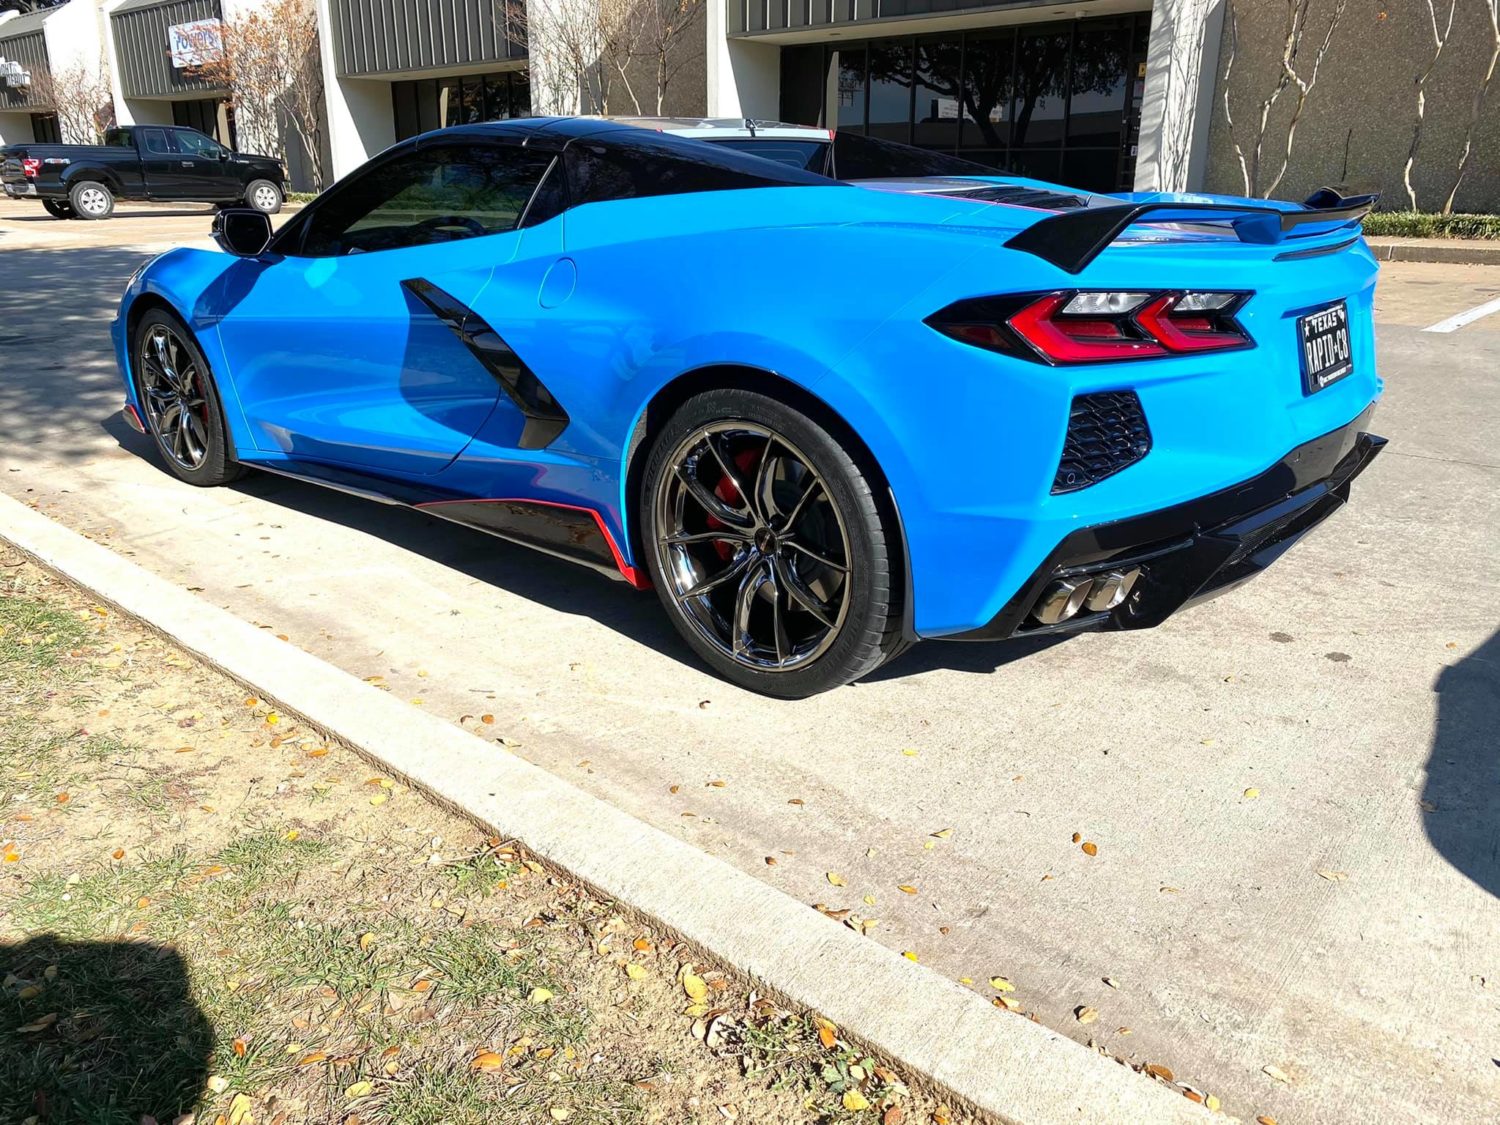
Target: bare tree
x,y
82,100
1296,75
1439,42
1492,10
268,61
665,26
589,45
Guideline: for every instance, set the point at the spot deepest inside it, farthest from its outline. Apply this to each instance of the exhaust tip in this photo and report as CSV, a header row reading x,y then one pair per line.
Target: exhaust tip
x,y
1111,589
1063,599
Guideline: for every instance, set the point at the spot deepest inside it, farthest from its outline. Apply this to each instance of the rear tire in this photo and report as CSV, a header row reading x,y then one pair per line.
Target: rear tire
x,y
57,209
90,199
792,591
264,196
180,403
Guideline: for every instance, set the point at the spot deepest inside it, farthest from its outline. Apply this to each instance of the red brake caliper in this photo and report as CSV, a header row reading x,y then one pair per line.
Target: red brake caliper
x,y
745,462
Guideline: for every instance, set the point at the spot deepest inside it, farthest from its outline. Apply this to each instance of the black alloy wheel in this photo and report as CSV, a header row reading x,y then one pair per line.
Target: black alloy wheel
x,y
57,209
767,546
180,403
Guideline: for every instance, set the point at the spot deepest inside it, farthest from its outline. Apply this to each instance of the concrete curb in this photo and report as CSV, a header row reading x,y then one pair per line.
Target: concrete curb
x,y
1000,1064
1452,251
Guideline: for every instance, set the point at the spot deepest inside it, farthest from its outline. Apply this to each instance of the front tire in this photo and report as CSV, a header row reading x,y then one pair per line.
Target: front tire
x,y
767,546
264,196
180,403
57,209
91,200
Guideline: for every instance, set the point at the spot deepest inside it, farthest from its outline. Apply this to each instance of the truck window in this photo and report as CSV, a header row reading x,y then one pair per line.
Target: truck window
x,y
119,138
153,141
195,144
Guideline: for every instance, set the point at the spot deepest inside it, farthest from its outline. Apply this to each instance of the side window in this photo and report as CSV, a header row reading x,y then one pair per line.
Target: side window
x,y
649,165
153,141
195,144
429,195
119,138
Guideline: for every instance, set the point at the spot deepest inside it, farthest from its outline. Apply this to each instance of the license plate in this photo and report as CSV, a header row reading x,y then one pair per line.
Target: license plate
x,y
1326,356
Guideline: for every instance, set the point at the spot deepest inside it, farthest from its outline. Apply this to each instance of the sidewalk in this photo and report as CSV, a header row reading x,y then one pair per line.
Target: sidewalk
x,y
1473,251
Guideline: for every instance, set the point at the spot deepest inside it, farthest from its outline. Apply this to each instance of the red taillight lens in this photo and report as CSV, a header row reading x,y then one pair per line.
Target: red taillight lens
x,y
1098,326
30,167
1078,339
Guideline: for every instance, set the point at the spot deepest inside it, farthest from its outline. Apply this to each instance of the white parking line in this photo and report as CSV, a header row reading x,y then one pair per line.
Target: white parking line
x,y
1468,316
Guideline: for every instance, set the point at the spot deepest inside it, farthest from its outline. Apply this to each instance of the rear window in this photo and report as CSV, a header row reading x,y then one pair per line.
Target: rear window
x,y
870,158
652,164
809,156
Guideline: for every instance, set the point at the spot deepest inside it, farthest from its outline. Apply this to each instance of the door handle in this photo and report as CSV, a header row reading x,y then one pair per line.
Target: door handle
x,y
188,164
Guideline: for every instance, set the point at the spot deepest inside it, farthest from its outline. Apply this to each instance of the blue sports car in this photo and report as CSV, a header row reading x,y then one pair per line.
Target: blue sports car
x,y
824,420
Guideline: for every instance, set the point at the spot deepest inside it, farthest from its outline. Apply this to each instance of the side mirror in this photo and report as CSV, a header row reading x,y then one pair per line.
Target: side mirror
x,y
242,231
223,154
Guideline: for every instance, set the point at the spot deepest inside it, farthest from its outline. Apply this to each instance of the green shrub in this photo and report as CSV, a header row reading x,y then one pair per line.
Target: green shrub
x,y
1419,224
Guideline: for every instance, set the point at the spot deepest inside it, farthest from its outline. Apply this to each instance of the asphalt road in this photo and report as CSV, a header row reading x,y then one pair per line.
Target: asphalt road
x,y
1324,950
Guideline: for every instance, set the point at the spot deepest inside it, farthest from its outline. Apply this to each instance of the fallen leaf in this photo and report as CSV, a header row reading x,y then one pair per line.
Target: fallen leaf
x,y
695,986
635,972
1000,984
62,798
365,941
836,879
827,1034
716,784
1090,848
1265,1119
1156,1070
1252,793
641,945
1077,838
309,1060
906,888
909,955
540,995
909,752
39,1025
379,799
560,1113
1111,982
241,1048
1429,806
487,1061
770,861
239,1110
1334,876
361,1089
1273,1071
1085,1014
854,1101
1213,1103
942,833
217,1084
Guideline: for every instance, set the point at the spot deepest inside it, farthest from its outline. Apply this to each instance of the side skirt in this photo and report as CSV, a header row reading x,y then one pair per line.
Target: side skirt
x,y
567,531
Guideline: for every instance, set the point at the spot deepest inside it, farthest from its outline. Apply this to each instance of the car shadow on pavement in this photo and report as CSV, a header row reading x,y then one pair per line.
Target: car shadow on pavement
x,y
538,577
98,1031
1462,795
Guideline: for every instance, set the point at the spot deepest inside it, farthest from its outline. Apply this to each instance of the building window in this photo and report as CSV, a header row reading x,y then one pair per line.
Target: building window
x,y
203,114
45,129
425,104
1056,101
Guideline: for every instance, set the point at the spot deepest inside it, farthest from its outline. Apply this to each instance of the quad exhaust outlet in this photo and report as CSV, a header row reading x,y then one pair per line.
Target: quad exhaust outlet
x,y
1097,593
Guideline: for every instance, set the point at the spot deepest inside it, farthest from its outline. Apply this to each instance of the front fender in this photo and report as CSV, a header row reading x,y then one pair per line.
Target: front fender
x,y
192,283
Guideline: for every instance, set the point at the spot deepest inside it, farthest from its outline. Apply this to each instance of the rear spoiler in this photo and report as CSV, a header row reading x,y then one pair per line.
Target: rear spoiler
x,y
1073,239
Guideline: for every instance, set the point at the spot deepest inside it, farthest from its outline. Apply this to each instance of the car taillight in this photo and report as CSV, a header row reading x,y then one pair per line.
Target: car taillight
x,y
1098,326
30,167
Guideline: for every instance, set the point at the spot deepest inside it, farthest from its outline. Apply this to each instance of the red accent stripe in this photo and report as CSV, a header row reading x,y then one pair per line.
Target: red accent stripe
x,y
635,575
133,419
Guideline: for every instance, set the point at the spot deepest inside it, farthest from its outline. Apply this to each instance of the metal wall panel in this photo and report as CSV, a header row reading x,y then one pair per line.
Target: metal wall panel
x,y
29,49
389,36
141,48
749,17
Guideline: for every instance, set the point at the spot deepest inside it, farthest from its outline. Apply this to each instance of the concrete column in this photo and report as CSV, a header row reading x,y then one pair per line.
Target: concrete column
x,y
1181,79
744,76
15,128
360,118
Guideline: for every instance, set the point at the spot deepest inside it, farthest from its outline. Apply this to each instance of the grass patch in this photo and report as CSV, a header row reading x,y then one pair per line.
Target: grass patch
x,y
1419,224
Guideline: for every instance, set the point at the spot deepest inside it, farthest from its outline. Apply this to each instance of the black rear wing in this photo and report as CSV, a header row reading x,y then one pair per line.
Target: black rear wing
x,y
1073,239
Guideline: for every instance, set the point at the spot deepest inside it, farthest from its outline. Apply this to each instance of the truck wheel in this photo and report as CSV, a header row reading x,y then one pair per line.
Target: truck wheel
x,y
57,208
91,200
264,196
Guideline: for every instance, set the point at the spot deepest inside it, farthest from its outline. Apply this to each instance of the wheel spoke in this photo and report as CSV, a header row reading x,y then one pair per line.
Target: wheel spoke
x,y
815,487
725,463
711,503
821,560
744,602
162,342
197,435
723,535
779,636
765,503
802,595
713,582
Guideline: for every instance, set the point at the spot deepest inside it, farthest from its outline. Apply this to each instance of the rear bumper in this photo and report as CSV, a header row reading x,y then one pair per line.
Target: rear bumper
x,y
1191,552
21,190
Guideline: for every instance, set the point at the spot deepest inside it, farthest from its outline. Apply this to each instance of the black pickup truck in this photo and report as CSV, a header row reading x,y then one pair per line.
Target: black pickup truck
x,y
155,162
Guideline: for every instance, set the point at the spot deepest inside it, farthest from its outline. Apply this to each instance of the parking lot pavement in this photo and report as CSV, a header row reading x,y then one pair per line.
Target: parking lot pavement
x,y
24,225
1294,790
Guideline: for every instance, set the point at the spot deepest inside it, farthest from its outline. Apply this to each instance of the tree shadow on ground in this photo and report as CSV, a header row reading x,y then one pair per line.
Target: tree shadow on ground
x,y
98,1033
1463,773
